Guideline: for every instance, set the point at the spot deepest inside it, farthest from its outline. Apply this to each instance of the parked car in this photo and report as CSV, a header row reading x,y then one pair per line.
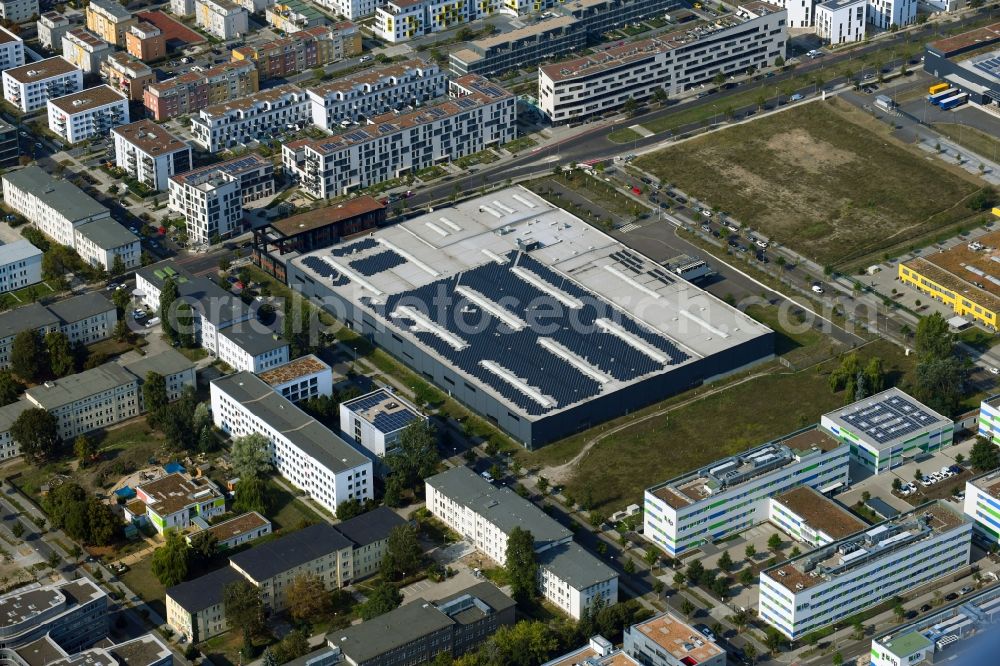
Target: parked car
x,y
706,212
817,288
951,597
705,631
956,469
797,97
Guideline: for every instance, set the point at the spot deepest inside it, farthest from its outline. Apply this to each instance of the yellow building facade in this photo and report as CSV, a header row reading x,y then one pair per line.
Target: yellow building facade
x,y
965,298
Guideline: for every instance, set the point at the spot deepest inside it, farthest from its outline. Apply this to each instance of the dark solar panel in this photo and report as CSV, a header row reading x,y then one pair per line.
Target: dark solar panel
x,y
394,421
323,269
888,419
386,128
356,246
374,264
990,65
356,135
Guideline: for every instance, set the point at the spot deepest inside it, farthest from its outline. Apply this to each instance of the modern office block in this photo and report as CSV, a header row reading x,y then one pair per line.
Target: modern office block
x,y
377,420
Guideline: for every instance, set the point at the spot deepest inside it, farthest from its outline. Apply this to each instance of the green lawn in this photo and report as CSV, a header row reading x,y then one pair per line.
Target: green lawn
x,y
430,173
287,512
624,135
970,138
482,157
741,416
193,354
140,579
808,178
604,195
522,143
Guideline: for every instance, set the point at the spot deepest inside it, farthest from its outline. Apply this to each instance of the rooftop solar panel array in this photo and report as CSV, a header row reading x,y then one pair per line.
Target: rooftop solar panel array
x,y
990,65
325,270
518,352
384,422
889,419
374,264
356,246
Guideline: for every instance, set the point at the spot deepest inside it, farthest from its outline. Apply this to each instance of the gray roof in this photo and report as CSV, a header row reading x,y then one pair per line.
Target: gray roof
x,y
388,632
32,316
215,303
370,527
248,337
60,392
81,307
501,506
203,592
166,363
107,234
18,251
9,413
486,592
63,196
302,430
290,551
571,563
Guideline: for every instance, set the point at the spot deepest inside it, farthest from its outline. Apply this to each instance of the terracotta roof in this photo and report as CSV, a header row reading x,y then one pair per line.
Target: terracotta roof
x,y
321,217
685,643
150,138
128,63
85,100
371,76
271,95
239,525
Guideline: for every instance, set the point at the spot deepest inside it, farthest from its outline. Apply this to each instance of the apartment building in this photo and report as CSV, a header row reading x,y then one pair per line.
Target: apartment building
x,y
110,21
674,62
889,429
846,577
57,207
72,614
957,633
251,347
291,16
732,494
236,531
87,318
667,640
150,153
989,418
175,500
598,651
478,115
10,149
841,21
279,241
195,608
177,371
484,515
20,265
30,86
92,112
402,20
257,117
85,50
11,50
211,198
350,9
146,42
301,379
51,26
146,650
303,451
417,632
887,14
302,50
376,420
374,92
108,244
127,74
221,18
8,414
369,537
188,93
18,11
982,506
88,400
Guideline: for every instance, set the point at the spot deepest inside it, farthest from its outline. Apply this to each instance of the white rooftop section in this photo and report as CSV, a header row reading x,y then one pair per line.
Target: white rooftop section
x,y
884,420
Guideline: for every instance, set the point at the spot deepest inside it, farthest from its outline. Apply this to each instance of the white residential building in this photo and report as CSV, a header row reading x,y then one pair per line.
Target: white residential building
x,y
257,117
182,7
847,577
221,18
177,371
20,265
351,9
11,50
982,505
989,418
886,14
150,153
304,378
251,347
733,494
801,13
889,429
18,11
484,515
480,114
57,207
88,400
108,244
51,27
85,50
583,87
667,640
841,21
211,198
376,91
92,112
30,86
376,420
303,451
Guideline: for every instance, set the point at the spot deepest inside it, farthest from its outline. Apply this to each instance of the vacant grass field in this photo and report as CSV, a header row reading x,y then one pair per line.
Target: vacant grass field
x,y
820,179
981,143
741,416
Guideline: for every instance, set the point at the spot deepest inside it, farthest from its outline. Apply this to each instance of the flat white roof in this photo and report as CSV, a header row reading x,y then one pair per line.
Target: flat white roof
x,y
886,419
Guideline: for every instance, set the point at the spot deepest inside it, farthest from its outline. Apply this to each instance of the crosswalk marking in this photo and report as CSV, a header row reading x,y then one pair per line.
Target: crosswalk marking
x,y
631,226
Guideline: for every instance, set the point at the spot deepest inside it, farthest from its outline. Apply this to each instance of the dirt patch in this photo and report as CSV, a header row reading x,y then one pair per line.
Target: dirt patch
x,y
800,149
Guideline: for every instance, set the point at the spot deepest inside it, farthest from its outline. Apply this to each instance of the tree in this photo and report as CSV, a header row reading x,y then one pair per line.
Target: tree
x,y
308,598
526,643
403,554
204,547
118,266
934,340
85,449
779,62
185,325
27,358
60,354
351,508
176,421
695,572
416,457
17,529
865,496
169,294
725,561
170,561
250,456
897,484
252,494
382,599
773,639
521,566
838,659
774,542
244,608
983,456
858,629
658,587
154,397
10,388
687,607
393,491
630,106
746,577
750,551
899,612
750,650
940,383
36,433
918,474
